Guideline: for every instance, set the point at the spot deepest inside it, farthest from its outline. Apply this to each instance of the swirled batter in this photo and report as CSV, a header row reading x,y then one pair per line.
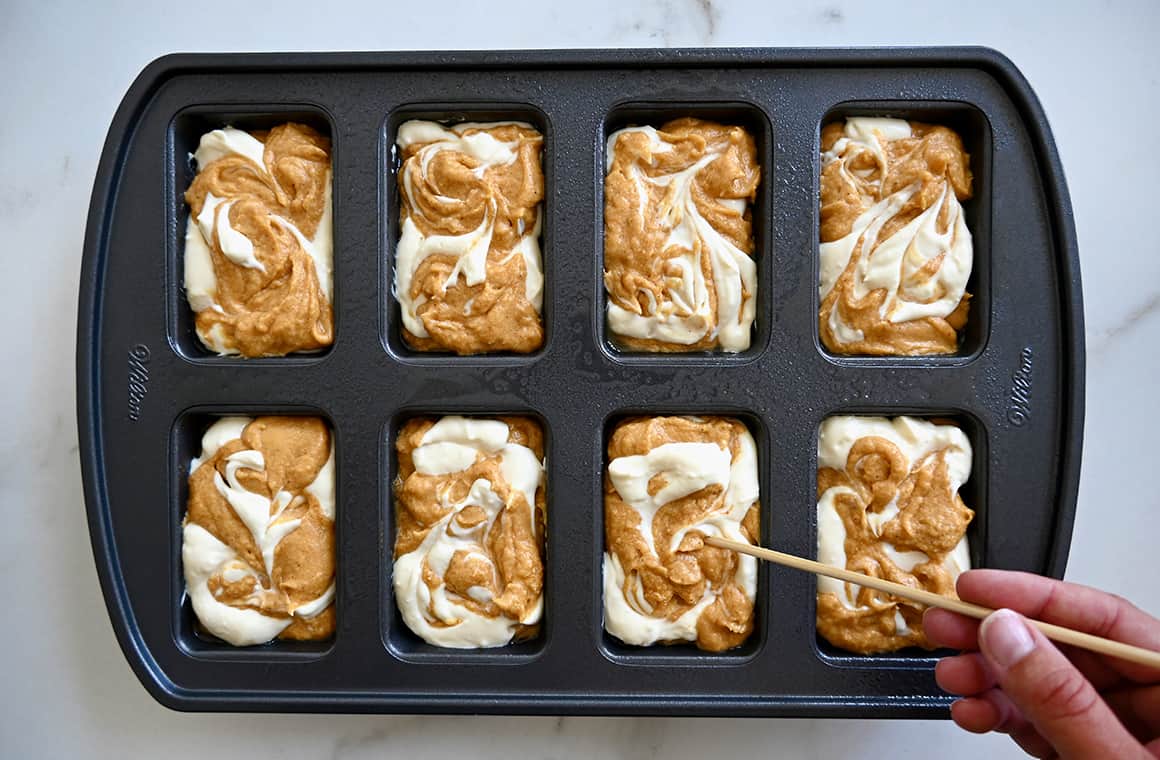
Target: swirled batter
x,y
889,507
258,250
258,536
468,275
469,539
670,482
678,236
896,253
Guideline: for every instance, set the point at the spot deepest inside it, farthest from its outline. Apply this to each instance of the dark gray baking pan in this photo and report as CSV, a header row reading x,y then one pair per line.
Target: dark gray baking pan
x,y
146,389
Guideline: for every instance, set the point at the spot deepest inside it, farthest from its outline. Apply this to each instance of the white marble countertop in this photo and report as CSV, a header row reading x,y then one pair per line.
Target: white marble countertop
x,y
68,691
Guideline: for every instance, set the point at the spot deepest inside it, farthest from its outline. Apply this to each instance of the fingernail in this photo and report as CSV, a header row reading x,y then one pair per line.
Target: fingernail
x,y
1005,638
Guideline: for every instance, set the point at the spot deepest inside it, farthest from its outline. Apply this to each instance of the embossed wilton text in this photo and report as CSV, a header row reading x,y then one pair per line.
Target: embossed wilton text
x,y
138,379
1019,403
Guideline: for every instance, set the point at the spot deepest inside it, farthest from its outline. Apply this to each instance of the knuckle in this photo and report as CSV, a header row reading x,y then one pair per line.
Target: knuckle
x,y
1065,695
1112,617
1121,605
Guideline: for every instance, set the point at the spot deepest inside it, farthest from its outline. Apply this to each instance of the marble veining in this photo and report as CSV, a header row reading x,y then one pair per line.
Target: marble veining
x,y
1136,319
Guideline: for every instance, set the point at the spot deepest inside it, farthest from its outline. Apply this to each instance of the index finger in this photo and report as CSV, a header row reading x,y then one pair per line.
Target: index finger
x,y
1068,604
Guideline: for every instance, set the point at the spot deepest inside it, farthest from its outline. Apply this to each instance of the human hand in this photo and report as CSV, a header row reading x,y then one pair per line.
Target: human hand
x,y
1054,702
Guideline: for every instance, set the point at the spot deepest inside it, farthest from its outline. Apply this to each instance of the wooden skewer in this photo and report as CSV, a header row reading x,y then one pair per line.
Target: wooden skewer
x,y
1058,633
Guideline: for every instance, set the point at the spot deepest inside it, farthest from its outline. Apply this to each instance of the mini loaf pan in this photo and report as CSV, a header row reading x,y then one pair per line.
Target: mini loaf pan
x,y
147,390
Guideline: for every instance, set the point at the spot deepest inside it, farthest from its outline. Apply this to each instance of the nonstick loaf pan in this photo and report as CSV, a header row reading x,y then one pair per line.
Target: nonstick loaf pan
x,y
146,390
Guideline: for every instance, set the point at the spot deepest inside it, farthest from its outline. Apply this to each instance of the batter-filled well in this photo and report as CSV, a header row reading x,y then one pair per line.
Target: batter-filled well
x,y
896,253
258,535
469,540
468,274
678,236
258,251
889,507
669,483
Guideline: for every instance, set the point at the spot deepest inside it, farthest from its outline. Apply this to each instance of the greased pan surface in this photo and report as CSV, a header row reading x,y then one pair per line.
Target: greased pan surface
x,y
146,390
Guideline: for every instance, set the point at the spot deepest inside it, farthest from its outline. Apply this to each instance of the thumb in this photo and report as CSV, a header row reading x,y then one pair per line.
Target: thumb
x,y
1063,706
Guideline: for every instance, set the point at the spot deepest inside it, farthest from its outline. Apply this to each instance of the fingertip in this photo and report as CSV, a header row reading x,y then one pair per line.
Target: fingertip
x,y
944,676
948,629
979,582
963,674
976,715
933,613
966,578
933,616
1005,638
